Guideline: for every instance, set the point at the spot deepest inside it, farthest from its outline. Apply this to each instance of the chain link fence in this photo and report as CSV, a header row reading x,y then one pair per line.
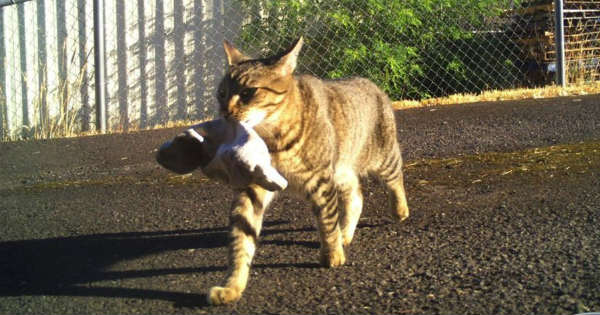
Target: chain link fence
x,y
45,61
413,49
164,58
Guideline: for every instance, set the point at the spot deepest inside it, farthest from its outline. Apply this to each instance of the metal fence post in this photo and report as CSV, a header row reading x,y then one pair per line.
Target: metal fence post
x,y
99,71
560,43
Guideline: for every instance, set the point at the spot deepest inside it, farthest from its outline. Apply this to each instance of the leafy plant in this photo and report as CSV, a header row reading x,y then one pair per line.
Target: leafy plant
x,y
406,47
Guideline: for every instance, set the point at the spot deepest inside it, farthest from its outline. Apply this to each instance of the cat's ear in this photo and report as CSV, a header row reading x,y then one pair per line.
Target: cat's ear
x,y
287,63
234,56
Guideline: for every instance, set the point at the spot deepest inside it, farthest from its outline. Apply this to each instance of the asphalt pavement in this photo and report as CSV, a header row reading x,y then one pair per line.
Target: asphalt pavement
x,y
505,210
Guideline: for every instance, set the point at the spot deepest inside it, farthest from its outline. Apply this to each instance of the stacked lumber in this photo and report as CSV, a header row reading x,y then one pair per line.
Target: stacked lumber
x,y
582,35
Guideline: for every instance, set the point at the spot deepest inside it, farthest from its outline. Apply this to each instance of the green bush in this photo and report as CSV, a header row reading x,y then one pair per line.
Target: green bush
x,y
412,49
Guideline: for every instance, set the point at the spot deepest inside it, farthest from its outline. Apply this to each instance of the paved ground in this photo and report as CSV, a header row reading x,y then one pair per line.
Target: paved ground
x,y
505,201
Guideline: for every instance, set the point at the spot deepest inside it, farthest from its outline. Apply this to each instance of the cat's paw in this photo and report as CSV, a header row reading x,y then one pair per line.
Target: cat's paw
x,y
221,295
347,238
333,258
401,213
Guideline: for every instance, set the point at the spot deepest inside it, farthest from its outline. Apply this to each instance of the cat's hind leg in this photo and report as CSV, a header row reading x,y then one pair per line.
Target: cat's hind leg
x,y
348,184
390,173
324,195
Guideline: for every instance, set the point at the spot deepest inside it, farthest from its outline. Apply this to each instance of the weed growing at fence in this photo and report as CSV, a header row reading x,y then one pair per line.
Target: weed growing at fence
x,y
4,130
63,97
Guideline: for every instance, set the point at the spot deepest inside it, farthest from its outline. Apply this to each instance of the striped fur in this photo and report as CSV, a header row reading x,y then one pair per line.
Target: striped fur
x,y
323,136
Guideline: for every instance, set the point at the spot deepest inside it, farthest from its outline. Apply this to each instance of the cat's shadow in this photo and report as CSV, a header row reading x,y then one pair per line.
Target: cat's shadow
x,y
72,266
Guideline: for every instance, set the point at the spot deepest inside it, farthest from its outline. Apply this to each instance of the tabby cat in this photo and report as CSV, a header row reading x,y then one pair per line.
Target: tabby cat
x,y
323,135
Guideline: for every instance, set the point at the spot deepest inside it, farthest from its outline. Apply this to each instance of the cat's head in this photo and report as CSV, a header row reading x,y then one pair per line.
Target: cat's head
x,y
253,90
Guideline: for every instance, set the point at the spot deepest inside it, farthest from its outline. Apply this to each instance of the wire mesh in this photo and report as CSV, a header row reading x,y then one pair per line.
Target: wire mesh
x,y
164,58
44,69
413,49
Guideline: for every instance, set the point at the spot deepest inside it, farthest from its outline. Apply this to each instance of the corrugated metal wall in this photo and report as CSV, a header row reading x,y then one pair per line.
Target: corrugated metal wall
x,y
162,60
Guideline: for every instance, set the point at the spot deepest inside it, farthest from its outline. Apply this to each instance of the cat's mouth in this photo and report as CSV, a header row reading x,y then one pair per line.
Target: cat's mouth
x,y
251,122
250,119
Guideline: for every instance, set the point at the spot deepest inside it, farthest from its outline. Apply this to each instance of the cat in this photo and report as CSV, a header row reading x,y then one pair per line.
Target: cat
x,y
323,136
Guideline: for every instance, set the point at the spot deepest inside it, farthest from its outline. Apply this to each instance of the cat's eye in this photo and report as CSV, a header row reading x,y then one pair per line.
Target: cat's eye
x,y
221,94
247,94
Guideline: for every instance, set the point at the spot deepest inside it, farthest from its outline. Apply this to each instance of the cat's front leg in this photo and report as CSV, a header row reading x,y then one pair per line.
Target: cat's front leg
x,y
245,223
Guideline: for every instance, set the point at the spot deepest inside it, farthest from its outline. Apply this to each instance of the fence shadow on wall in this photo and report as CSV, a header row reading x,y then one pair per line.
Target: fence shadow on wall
x,y
163,59
178,58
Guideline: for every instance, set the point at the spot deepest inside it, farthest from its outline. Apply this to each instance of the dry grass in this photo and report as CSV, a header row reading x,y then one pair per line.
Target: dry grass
x,y
505,95
62,97
180,123
65,124
487,96
132,128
